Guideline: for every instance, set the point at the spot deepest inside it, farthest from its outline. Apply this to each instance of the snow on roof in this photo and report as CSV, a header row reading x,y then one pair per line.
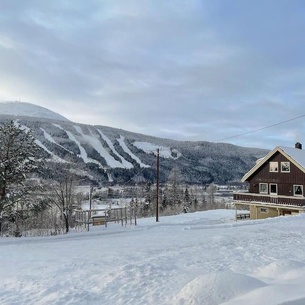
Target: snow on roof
x,y
296,154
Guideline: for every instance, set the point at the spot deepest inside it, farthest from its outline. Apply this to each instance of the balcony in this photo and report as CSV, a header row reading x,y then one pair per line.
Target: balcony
x,y
259,198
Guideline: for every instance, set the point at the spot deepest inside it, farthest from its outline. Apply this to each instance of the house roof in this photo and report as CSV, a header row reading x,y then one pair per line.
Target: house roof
x,y
294,155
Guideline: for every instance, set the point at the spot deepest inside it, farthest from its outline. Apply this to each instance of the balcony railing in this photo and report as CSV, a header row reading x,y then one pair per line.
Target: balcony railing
x,y
259,198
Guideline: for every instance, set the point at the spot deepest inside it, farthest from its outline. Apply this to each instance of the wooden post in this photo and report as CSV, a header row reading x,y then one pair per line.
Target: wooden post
x,y
157,200
135,216
90,205
87,220
125,211
122,220
235,212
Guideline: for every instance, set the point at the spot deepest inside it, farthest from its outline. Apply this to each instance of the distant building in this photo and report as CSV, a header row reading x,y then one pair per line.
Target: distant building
x,y
276,184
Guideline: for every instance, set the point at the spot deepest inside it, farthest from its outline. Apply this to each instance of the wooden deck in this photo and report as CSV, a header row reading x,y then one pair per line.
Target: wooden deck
x,y
277,200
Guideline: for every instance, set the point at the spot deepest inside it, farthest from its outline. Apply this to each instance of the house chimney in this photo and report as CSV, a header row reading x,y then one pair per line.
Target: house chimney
x,y
298,145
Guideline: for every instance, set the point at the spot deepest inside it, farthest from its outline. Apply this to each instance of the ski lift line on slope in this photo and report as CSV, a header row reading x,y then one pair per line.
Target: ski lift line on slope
x,y
259,129
135,175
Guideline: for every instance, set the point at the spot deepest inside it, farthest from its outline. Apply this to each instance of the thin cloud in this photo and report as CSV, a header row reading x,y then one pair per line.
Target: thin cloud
x,y
178,69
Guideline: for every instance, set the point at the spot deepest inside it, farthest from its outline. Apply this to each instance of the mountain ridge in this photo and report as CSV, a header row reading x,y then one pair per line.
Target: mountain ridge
x,y
16,108
106,155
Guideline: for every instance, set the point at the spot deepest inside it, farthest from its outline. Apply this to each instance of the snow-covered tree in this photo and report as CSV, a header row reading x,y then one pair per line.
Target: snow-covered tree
x,y
211,190
17,162
174,190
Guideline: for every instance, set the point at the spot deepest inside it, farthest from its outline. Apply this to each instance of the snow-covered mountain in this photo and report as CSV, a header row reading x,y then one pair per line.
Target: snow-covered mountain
x,y
100,154
30,110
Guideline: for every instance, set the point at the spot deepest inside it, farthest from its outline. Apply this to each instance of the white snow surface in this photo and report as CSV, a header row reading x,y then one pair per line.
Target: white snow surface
x,y
125,163
37,142
203,258
122,143
98,146
83,153
53,156
297,154
28,109
50,139
165,152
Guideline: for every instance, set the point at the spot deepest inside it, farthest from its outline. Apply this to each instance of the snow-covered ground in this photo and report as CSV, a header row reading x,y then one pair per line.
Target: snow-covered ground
x,y
165,152
122,143
202,258
28,109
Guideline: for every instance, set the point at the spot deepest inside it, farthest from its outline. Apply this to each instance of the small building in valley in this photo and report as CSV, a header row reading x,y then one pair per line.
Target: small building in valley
x,y
276,184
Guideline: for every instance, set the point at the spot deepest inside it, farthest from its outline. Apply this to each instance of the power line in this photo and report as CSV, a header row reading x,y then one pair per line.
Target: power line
x,y
259,129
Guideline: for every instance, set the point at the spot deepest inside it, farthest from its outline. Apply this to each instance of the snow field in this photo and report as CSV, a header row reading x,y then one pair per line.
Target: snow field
x,y
198,258
93,140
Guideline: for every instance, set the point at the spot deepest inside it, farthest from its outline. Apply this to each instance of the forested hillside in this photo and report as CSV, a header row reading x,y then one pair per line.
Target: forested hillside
x,y
102,155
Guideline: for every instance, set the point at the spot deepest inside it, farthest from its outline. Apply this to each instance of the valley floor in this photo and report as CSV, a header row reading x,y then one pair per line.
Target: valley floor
x,y
200,258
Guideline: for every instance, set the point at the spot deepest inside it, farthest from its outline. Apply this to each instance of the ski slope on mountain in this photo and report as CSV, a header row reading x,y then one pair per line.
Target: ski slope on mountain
x,y
125,148
124,162
38,143
204,258
50,139
83,153
95,142
165,152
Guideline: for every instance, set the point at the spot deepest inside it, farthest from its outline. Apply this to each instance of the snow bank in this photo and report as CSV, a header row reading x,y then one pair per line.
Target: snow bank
x,y
217,261
216,288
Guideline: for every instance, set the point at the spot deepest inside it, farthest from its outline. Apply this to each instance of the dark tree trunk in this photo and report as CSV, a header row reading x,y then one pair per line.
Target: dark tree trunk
x,y
66,222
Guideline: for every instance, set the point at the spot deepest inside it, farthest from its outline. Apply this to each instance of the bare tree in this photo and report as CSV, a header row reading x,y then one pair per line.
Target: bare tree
x,y
211,190
63,195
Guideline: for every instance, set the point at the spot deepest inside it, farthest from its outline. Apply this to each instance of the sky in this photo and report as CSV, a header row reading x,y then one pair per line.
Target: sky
x,y
185,70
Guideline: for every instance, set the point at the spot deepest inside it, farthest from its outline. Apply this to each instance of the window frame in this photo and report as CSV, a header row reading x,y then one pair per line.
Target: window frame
x,y
270,186
285,171
294,190
273,167
264,210
267,188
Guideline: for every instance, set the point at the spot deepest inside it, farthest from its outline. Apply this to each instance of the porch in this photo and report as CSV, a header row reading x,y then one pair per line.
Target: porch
x,y
269,199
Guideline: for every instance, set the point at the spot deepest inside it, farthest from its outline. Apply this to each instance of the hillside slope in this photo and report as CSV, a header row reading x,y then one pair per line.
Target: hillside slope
x,y
27,109
100,154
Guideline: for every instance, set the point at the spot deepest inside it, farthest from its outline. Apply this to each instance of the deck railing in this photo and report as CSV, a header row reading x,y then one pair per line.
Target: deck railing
x,y
274,199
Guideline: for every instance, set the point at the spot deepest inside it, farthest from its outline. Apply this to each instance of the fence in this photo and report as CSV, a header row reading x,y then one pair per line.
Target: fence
x,y
104,216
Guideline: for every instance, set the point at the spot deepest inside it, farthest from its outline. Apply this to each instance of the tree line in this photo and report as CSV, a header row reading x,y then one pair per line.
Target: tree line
x,y
38,196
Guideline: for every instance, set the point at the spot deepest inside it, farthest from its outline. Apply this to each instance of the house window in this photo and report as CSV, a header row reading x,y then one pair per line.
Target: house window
x,y
285,167
298,190
273,189
263,188
274,167
264,210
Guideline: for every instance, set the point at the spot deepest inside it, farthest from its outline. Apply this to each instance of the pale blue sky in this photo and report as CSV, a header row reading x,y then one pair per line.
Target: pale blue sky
x,y
185,70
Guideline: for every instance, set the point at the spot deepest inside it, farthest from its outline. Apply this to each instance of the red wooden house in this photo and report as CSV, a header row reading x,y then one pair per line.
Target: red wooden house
x,y
276,184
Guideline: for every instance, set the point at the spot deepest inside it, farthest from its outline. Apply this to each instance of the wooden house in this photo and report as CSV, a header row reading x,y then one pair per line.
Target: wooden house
x,y
276,184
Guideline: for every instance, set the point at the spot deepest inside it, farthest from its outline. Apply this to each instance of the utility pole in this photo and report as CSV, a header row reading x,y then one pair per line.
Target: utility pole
x,y
90,205
157,199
